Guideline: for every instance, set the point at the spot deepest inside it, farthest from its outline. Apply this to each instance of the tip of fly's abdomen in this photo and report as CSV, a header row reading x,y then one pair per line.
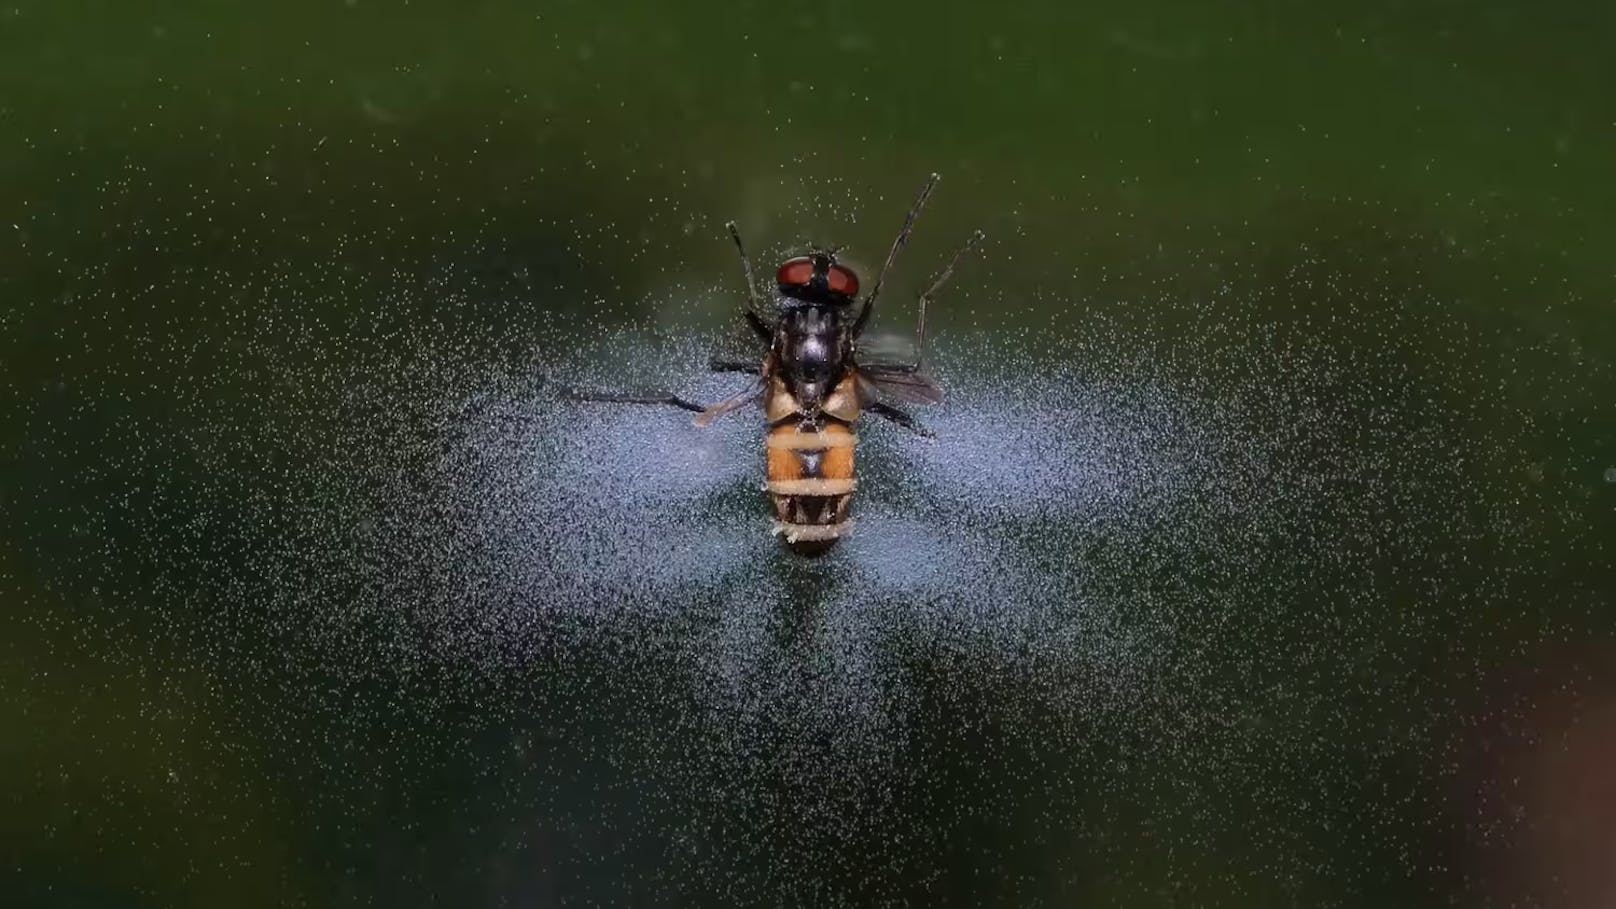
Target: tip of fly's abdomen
x,y
810,549
811,539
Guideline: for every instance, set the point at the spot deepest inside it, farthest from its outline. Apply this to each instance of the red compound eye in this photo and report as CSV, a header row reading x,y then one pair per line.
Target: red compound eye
x,y
843,281
795,272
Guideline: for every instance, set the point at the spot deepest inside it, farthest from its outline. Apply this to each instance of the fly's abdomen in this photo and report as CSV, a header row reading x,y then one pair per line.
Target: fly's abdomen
x,y
811,482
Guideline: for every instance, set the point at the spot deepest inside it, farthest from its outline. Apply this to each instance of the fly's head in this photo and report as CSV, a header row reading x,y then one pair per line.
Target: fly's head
x,y
816,279
816,291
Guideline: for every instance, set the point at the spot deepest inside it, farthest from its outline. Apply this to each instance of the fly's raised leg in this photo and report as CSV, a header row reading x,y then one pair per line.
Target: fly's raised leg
x,y
937,285
892,254
925,300
753,301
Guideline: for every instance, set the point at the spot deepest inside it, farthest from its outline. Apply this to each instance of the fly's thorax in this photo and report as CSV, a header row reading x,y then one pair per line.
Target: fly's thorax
x,y
813,347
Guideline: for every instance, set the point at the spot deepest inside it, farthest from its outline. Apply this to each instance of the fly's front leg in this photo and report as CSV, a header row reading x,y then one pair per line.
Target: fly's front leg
x,y
753,301
759,327
900,417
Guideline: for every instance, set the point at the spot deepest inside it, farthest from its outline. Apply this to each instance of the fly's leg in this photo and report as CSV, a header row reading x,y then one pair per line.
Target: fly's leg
x,y
925,299
729,405
753,301
758,326
607,397
900,417
892,254
704,415
734,366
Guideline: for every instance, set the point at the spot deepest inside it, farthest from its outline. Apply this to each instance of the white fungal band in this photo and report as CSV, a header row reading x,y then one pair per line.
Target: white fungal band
x,y
811,533
812,440
810,487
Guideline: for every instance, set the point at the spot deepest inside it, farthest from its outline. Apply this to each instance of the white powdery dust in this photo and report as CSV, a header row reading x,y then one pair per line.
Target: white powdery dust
x,y
1052,440
585,504
547,526
1085,528
1093,549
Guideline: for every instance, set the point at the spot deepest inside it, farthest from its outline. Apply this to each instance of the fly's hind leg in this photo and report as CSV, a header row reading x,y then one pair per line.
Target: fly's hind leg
x,y
608,397
704,414
900,417
730,404
720,365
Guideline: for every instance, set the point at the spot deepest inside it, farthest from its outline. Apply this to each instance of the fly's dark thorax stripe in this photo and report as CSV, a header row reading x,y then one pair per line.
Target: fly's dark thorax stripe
x,y
811,474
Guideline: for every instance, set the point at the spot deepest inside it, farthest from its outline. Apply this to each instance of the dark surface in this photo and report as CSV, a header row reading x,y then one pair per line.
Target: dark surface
x,y
1263,555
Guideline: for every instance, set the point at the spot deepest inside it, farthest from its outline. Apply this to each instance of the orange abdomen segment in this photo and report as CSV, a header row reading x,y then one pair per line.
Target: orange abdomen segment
x,y
811,482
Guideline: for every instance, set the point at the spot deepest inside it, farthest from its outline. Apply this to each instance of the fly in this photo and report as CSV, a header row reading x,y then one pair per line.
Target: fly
x,y
813,387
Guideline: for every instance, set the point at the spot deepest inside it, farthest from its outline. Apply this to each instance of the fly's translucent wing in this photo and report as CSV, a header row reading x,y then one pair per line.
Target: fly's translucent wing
x,y
897,384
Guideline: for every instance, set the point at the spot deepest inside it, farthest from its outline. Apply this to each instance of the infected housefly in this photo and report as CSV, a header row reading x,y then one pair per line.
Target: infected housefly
x,y
813,387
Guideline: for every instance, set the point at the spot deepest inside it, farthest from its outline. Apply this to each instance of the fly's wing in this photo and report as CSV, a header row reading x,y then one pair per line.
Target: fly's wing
x,y
897,383
752,393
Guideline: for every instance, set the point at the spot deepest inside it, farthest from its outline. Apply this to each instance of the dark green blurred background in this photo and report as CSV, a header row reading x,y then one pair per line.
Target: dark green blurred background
x,y
219,220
